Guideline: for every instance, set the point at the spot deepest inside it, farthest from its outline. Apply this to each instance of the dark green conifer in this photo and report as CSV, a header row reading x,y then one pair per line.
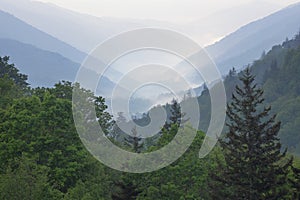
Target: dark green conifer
x,y
256,167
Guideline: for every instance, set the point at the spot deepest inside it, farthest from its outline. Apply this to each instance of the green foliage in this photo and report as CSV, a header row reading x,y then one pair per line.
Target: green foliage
x,y
44,129
282,90
41,126
12,83
175,115
42,157
7,91
255,167
28,181
186,178
134,141
278,74
104,118
296,183
12,73
95,185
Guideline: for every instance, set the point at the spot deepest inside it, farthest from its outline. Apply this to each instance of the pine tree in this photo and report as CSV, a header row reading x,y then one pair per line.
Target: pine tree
x,y
176,116
134,141
127,187
255,168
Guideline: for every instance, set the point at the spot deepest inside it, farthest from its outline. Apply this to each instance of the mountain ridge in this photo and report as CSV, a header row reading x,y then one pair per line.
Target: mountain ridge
x,y
16,29
254,38
45,68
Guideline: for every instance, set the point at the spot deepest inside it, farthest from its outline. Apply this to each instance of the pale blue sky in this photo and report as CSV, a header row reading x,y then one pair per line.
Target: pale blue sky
x,y
168,10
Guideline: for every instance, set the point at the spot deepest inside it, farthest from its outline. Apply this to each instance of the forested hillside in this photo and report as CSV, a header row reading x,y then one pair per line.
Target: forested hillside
x,y
42,157
277,71
248,42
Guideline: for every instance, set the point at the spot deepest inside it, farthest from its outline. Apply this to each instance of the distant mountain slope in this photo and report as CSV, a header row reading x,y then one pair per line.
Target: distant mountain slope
x,y
278,74
15,29
80,30
223,22
248,43
85,32
44,68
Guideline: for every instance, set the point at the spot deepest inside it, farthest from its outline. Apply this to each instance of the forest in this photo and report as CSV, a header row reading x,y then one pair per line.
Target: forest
x,y
42,156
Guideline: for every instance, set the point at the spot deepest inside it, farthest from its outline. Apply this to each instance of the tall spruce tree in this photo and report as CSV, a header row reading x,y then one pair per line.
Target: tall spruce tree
x,y
134,141
256,167
175,116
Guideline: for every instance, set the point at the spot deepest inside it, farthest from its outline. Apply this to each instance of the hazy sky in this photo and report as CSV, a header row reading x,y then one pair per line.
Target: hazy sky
x,y
168,10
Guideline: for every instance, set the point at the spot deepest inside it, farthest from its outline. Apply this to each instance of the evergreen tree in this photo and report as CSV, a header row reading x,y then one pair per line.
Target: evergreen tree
x,y
255,166
175,116
134,141
126,187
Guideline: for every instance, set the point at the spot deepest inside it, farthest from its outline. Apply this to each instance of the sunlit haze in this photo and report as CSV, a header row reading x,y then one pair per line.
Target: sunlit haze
x,y
217,15
166,10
